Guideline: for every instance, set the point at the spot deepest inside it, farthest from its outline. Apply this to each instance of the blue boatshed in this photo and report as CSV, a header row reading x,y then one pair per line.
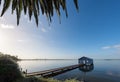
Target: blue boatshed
x,y
85,61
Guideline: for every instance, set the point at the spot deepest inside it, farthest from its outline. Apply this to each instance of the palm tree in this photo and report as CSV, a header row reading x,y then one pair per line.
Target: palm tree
x,y
33,7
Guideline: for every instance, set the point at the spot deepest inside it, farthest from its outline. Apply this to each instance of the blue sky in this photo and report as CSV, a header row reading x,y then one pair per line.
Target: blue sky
x,y
93,32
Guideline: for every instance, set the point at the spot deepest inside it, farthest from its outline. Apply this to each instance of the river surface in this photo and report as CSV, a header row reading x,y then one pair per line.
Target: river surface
x,y
102,71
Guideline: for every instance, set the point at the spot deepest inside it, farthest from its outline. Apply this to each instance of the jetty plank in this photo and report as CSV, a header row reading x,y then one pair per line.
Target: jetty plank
x,y
54,71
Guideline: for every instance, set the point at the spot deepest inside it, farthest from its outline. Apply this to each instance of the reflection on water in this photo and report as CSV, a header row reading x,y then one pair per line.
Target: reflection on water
x,y
104,71
40,65
85,69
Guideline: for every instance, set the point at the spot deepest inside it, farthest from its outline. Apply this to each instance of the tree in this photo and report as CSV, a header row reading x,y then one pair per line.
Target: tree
x,y
33,7
9,70
15,58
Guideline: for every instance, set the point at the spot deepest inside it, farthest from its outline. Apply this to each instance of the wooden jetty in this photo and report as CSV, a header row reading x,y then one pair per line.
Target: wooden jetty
x,y
53,72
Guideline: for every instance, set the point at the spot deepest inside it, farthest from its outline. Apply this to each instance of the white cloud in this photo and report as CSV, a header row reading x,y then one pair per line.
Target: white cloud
x,y
22,40
6,26
43,29
117,46
112,47
106,47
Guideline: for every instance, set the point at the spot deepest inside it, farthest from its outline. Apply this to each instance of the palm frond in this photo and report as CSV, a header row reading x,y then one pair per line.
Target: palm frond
x,y
0,2
5,6
34,7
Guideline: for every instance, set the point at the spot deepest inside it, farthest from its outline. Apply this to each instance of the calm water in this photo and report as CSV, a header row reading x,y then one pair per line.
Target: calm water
x,y
104,71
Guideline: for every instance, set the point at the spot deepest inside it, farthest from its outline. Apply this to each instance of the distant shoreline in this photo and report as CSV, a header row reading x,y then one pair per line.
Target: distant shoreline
x,y
61,59
44,59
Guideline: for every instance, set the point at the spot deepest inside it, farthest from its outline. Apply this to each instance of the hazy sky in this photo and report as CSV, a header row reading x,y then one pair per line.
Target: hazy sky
x,y
93,32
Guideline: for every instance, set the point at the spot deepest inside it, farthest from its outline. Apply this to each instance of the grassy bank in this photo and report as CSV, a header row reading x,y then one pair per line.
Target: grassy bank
x,y
34,79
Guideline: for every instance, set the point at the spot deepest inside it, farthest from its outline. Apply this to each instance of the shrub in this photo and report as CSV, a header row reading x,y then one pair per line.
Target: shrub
x,y
9,70
15,58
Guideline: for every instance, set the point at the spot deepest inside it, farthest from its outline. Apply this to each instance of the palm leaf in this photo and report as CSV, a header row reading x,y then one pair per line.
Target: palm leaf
x,y
5,6
76,4
0,2
33,7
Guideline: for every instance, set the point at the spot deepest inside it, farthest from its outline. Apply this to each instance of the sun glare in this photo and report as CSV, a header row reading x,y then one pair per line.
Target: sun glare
x,y
4,41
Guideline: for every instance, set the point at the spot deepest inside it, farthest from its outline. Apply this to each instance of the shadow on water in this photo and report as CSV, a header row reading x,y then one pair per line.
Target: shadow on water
x,y
85,69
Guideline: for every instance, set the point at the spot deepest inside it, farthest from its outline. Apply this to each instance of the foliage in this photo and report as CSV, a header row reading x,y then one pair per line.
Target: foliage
x,y
34,79
49,80
29,79
33,7
54,80
15,58
71,80
9,70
